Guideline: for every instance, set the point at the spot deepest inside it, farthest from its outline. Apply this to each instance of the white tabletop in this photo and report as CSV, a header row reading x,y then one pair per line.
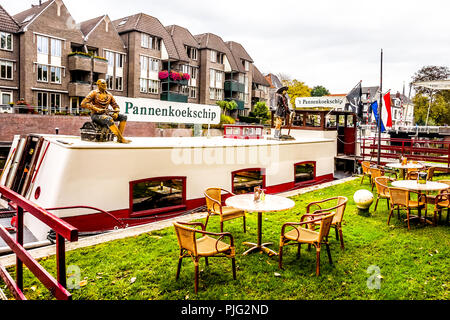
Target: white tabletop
x,y
271,203
398,165
413,185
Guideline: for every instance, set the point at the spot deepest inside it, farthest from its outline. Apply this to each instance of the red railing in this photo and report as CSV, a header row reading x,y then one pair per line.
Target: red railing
x,y
413,149
63,230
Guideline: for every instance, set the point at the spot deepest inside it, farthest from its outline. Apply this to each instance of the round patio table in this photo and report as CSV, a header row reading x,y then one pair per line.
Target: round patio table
x,y
271,203
421,188
404,167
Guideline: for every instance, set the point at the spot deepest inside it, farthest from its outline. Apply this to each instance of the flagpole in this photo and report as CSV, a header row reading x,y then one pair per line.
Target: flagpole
x,y
380,110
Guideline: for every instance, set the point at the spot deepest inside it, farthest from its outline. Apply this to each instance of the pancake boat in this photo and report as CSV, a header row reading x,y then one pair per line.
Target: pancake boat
x,y
102,186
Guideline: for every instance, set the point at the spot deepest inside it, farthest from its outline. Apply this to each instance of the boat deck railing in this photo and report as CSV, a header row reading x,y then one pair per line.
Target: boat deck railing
x,y
63,230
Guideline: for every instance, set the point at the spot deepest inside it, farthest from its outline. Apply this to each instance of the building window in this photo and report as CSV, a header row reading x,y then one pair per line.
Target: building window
x,y
150,42
192,53
55,74
119,60
144,40
246,98
157,195
42,44
119,83
192,92
246,65
153,86
56,47
213,56
55,102
212,93
154,64
110,82
219,94
215,78
143,85
305,171
6,41
42,73
244,181
6,70
6,98
110,57
42,101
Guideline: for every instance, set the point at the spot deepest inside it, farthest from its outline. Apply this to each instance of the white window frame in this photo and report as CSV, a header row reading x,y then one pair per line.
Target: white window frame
x,y
118,83
42,106
109,55
42,44
53,96
144,40
55,71
143,83
153,86
213,56
192,92
110,82
7,65
44,70
120,58
5,36
5,93
56,47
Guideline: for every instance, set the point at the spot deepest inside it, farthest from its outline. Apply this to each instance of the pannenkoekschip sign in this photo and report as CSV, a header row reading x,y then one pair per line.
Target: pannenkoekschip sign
x,y
150,110
320,102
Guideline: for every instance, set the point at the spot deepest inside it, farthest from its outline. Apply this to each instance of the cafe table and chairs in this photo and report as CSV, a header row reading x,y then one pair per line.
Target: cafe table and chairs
x,y
421,188
403,167
268,203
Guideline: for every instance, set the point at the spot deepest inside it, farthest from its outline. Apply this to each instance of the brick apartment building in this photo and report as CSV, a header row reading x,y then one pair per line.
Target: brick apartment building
x,y
52,63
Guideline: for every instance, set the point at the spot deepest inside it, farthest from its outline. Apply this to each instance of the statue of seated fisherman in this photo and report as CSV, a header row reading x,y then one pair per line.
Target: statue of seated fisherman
x,y
98,101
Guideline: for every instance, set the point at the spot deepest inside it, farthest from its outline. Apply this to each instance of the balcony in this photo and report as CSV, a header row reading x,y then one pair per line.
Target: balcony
x,y
100,66
258,94
80,62
79,89
234,86
174,97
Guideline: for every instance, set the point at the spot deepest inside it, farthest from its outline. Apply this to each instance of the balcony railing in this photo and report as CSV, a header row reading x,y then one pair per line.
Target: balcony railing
x,y
234,86
80,62
174,97
79,89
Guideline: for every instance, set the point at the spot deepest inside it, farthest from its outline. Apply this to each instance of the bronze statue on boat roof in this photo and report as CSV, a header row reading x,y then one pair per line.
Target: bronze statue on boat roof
x,y
103,118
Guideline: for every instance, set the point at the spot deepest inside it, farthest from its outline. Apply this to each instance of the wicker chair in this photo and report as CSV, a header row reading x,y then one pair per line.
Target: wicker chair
x,y
339,207
365,169
411,174
442,201
400,198
214,206
205,246
375,173
383,189
300,235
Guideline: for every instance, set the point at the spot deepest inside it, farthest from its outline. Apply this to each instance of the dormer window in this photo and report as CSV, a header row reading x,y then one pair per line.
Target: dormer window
x,y
246,65
192,53
28,18
122,22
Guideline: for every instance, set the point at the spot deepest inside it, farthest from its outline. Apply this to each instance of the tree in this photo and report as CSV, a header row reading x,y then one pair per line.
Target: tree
x,y
319,91
227,106
297,89
260,110
439,111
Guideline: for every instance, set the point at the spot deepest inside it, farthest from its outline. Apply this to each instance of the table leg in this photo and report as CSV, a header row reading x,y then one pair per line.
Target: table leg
x,y
419,213
259,246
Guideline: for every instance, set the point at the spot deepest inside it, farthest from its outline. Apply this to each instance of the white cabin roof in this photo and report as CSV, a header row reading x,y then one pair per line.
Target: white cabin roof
x,y
73,142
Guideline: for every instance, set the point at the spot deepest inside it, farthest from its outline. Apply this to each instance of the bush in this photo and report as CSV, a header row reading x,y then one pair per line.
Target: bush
x,y
249,119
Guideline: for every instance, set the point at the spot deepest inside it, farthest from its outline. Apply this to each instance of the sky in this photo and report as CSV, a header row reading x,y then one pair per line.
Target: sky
x,y
332,43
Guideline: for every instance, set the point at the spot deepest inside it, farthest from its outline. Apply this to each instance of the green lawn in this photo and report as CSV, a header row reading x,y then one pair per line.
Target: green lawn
x,y
413,264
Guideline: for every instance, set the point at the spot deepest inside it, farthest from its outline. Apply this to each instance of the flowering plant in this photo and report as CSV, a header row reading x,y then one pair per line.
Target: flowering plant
x,y
163,75
175,76
186,76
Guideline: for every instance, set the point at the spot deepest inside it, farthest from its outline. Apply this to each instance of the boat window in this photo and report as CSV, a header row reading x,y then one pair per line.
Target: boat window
x,y
157,193
305,171
244,181
298,120
313,120
331,121
350,121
